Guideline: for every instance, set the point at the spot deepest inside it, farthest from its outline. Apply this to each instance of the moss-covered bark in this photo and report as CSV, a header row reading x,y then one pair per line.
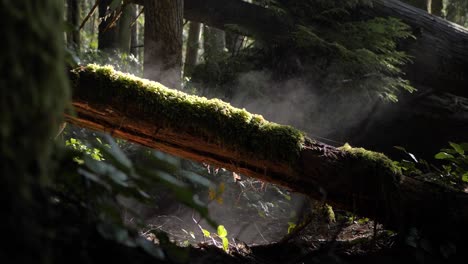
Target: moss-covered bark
x,y
227,126
212,131
33,92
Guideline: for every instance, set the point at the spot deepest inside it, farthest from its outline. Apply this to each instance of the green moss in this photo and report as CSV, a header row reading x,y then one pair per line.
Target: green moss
x,y
373,157
213,119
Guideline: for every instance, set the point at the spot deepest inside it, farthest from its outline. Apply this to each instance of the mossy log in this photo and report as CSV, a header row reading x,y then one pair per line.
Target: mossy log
x,y
438,71
361,181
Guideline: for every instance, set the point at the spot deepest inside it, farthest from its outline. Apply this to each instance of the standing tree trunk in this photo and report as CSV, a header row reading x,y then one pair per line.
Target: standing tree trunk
x,y
163,41
213,43
435,7
73,19
108,34
33,94
134,32
125,28
193,44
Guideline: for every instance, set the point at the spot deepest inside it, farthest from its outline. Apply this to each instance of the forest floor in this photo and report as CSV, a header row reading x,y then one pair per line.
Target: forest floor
x,y
257,236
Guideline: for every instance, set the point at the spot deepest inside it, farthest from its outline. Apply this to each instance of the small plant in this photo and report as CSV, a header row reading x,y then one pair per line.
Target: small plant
x,y
452,171
221,233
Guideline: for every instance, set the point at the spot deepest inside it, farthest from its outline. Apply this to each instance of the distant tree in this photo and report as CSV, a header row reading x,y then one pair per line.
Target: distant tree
x,y
213,43
457,11
73,19
125,27
163,41
134,32
432,6
436,7
193,44
108,28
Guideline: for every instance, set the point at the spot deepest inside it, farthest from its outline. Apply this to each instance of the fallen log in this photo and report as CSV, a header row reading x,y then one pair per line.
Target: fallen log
x,y
361,181
439,50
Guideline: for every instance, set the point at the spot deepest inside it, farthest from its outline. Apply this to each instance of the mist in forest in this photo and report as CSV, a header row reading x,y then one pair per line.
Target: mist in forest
x,y
296,102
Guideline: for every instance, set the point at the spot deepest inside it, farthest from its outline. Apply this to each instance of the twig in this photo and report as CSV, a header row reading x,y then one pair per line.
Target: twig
x,y
136,18
89,14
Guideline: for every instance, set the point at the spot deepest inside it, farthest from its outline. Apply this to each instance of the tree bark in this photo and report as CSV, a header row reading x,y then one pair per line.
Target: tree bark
x,y
134,32
33,95
439,69
191,51
125,29
108,35
163,41
441,57
357,180
73,19
436,7
213,43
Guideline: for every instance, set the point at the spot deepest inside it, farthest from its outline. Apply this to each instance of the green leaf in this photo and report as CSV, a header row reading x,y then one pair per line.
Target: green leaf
x,y
291,227
443,155
117,154
206,233
457,148
222,232
464,146
225,243
465,177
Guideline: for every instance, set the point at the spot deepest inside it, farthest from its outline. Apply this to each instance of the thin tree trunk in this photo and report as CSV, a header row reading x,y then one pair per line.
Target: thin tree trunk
x,y
163,41
134,32
191,51
73,18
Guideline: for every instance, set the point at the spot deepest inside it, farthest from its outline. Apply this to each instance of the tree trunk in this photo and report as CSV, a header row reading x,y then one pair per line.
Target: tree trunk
x,y
213,44
441,57
33,95
163,41
436,7
125,30
191,51
439,68
108,32
73,19
134,32
357,180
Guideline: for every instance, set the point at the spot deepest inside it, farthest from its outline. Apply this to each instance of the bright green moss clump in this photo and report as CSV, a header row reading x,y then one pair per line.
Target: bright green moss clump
x,y
373,157
213,119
